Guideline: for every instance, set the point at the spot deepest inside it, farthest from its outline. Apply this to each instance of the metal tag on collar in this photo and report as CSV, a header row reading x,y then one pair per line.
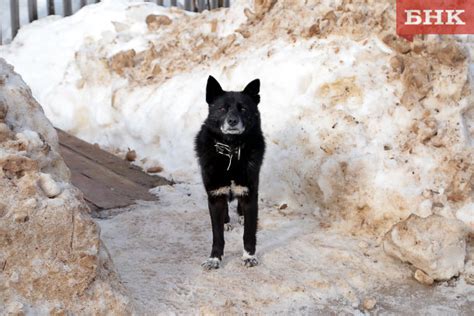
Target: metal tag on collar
x,y
226,150
230,162
223,149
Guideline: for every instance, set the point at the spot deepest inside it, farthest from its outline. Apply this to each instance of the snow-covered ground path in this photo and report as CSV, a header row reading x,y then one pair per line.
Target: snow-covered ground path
x,y
306,266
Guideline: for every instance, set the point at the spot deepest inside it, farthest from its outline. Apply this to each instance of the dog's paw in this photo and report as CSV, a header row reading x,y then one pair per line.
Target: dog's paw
x,y
241,220
249,260
228,227
211,263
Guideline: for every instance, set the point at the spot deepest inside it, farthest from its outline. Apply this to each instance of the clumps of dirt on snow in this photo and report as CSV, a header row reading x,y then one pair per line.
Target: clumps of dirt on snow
x,y
425,63
339,91
122,60
155,21
415,79
270,20
51,257
176,44
181,42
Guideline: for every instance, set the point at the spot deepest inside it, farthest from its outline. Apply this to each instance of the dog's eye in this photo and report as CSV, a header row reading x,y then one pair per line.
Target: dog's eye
x,y
241,108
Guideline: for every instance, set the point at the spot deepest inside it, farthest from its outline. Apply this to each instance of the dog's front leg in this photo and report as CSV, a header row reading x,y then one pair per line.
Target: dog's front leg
x,y
249,207
218,209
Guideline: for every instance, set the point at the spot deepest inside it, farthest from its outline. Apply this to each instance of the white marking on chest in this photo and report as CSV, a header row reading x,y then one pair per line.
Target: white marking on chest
x,y
237,190
220,191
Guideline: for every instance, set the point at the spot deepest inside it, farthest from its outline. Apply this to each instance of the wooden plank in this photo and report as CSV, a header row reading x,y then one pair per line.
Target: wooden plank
x,y
32,10
83,3
67,7
51,9
98,197
117,165
102,187
14,17
173,3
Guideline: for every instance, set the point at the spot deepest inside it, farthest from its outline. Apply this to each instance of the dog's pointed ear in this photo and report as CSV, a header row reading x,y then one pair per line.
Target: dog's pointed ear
x,y
253,90
213,90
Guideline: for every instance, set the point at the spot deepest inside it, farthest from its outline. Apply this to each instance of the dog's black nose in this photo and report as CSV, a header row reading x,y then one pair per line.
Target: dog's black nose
x,y
232,121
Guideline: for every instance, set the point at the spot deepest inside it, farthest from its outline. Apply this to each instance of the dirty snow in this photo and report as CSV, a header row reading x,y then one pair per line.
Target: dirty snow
x,y
51,249
306,268
344,155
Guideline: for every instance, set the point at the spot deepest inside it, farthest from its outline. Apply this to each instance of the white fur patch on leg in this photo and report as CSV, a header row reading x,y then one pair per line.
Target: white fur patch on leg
x,y
249,260
238,190
220,191
246,255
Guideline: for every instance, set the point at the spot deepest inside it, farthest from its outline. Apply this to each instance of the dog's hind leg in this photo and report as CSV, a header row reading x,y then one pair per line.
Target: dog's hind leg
x,y
249,205
217,209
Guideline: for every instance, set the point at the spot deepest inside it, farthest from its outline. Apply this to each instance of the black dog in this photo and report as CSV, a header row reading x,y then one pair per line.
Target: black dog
x,y
230,148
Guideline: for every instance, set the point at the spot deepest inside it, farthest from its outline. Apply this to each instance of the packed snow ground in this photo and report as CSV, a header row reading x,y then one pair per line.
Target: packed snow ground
x,y
325,126
306,268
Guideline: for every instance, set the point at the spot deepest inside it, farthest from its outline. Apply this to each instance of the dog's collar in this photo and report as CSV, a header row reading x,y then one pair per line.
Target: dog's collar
x,y
229,151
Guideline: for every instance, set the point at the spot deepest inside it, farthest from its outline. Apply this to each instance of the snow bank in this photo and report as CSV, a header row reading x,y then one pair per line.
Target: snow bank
x,y
360,125
52,258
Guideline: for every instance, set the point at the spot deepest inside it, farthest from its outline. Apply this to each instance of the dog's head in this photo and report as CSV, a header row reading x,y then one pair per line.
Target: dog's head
x,y
232,113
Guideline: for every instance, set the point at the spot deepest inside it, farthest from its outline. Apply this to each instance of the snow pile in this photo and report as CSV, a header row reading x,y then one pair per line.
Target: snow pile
x,y
51,257
434,244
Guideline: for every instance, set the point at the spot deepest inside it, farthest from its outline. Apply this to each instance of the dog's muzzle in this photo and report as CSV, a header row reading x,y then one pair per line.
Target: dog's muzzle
x,y
233,127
